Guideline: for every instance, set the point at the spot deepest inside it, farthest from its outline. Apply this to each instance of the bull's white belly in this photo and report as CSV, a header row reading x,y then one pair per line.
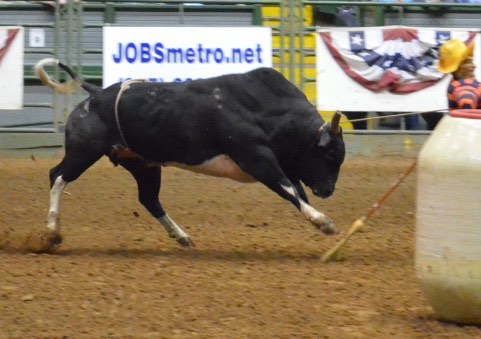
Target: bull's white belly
x,y
219,166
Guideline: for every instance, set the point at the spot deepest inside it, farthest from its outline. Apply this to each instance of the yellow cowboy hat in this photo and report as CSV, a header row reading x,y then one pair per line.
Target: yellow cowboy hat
x,y
452,54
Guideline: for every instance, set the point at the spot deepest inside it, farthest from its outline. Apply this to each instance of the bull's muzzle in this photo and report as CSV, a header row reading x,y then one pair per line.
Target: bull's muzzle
x,y
322,193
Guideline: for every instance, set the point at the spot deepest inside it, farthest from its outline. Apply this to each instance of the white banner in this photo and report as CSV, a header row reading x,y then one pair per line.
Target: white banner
x,y
11,67
174,54
386,69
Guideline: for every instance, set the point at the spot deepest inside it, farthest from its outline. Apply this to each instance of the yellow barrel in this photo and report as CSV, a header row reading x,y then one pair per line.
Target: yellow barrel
x,y
448,218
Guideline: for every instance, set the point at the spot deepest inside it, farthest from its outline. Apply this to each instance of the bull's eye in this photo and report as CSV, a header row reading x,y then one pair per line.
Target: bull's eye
x,y
330,154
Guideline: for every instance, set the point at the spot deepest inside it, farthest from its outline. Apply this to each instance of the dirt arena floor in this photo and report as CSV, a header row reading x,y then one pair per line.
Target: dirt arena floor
x,y
255,271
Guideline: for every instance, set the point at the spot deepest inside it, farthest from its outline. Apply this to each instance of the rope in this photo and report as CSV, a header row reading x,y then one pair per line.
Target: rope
x,y
393,115
123,87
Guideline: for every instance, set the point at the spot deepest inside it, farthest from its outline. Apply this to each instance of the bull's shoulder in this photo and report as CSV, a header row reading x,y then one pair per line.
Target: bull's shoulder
x,y
266,73
263,81
275,82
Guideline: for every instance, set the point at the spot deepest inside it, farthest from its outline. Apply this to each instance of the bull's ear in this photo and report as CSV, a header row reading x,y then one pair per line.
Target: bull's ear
x,y
336,118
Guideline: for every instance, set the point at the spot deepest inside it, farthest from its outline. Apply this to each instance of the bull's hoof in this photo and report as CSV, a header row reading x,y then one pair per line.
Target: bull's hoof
x,y
326,226
185,242
55,239
329,229
43,242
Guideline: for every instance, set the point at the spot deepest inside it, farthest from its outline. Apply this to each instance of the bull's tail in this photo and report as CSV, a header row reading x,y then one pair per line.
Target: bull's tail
x,y
64,88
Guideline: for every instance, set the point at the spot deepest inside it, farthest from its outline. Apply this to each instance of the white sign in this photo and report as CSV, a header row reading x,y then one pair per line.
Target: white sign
x,y
36,37
175,54
11,67
336,90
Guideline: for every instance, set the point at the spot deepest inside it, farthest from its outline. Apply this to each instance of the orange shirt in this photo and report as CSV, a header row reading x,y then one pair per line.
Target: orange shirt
x,y
464,93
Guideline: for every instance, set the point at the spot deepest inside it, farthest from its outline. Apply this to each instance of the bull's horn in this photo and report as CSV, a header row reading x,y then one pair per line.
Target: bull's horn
x,y
335,122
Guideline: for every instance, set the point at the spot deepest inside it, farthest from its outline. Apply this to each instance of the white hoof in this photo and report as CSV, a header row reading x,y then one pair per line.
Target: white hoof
x,y
325,225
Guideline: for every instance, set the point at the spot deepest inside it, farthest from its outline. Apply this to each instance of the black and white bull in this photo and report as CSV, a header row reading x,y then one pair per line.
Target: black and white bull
x,y
248,127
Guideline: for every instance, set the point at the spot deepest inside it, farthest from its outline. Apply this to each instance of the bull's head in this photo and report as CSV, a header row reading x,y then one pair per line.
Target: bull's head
x,y
323,159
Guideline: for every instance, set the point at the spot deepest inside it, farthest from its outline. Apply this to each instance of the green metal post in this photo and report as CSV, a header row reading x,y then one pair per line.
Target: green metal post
x,y
257,15
70,23
181,14
292,37
79,37
359,14
58,27
379,16
302,52
109,13
401,18
282,36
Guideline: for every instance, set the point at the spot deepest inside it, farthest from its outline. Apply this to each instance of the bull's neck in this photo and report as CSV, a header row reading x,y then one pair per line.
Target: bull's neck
x,y
296,136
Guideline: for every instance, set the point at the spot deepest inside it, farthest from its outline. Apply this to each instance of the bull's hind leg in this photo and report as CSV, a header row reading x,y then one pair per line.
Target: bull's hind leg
x,y
56,190
72,166
148,181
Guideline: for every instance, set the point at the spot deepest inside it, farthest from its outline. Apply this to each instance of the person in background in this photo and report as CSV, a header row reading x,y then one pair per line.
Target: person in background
x,y
468,1
411,122
346,17
456,58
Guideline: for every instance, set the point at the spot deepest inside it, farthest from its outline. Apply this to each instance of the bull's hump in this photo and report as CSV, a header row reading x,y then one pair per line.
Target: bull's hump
x,y
219,166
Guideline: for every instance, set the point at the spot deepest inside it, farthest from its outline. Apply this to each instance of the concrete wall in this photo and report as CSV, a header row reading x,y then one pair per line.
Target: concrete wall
x,y
17,145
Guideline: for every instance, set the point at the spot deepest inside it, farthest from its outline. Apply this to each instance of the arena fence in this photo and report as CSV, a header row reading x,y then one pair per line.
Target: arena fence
x,y
73,34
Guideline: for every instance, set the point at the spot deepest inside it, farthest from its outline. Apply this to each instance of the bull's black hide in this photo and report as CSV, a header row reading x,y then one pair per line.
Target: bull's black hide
x,y
255,126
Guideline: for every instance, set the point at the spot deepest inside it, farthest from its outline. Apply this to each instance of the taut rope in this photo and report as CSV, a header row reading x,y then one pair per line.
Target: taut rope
x,y
394,115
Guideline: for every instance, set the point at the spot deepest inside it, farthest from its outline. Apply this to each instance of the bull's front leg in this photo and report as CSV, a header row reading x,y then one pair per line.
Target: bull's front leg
x,y
318,219
263,166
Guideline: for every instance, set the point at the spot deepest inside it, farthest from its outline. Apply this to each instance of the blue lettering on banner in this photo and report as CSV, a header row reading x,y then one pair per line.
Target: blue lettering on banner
x,y
144,52
249,56
176,79
130,52
159,55
190,55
